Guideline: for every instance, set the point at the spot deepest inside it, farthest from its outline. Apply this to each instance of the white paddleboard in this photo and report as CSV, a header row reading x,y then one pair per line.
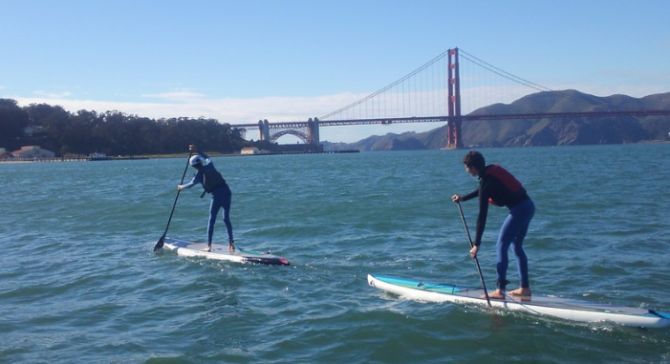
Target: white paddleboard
x,y
220,252
562,308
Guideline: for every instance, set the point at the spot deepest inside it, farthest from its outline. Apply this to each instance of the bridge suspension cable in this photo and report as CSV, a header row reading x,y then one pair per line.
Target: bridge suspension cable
x,y
434,92
424,91
404,83
501,72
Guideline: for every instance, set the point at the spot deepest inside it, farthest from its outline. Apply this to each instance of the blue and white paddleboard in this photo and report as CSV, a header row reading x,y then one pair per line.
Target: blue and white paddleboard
x,y
562,308
220,252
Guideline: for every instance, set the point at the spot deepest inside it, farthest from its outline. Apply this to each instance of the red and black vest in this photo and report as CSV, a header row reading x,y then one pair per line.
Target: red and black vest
x,y
504,189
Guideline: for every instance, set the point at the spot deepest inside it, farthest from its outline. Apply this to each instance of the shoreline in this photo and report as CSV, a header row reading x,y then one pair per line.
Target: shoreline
x,y
152,156
164,156
69,159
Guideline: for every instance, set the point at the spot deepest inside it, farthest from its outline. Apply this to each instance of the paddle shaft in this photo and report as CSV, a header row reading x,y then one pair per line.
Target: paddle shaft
x,y
479,268
159,244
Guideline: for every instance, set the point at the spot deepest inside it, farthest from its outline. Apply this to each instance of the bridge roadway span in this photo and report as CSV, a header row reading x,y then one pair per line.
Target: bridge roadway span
x,y
469,117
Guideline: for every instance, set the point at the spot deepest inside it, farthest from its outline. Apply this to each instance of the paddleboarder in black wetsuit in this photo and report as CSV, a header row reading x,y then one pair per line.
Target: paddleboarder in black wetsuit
x,y
497,186
213,183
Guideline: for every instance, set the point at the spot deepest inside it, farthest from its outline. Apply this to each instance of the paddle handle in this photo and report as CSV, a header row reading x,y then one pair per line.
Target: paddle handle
x,y
159,244
479,268
465,224
174,204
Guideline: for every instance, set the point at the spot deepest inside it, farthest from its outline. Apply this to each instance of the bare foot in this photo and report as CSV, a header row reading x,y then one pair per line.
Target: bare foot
x,y
521,292
209,248
231,247
497,295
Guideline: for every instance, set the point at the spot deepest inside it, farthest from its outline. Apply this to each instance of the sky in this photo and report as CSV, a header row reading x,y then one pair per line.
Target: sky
x,y
286,60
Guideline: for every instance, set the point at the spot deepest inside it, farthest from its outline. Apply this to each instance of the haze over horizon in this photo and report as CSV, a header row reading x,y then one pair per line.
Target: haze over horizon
x,y
291,60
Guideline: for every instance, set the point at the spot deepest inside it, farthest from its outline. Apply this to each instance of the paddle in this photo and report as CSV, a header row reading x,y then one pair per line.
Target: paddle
x,y
479,269
160,242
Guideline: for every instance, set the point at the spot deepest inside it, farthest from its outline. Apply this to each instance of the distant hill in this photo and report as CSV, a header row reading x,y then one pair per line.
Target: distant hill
x,y
541,132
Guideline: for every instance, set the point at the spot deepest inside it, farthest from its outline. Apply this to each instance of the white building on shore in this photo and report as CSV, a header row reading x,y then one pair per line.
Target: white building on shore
x,y
33,152
252,151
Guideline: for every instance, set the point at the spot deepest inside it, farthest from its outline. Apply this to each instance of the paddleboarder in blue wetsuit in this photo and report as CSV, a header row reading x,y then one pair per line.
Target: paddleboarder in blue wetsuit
x,y
497,186
213,183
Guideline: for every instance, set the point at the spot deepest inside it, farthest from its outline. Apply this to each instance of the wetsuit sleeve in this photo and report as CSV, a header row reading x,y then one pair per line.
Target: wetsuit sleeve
x,y
470,195
483,212
194,181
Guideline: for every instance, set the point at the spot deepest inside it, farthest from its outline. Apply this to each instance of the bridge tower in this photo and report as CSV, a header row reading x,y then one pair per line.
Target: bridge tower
x,y
264,130
454,140
313,131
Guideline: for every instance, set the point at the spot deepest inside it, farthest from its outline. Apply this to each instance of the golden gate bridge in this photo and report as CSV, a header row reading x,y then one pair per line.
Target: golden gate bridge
x,y
429,94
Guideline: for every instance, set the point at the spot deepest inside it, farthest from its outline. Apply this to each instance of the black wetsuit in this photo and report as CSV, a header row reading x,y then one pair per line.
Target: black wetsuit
x,y
497,186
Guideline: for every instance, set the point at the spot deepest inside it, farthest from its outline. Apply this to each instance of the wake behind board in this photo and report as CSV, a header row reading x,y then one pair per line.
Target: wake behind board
x,y
567,309
220,252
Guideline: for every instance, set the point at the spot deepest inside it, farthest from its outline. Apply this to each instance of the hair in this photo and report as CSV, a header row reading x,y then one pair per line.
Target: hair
x,y
474,159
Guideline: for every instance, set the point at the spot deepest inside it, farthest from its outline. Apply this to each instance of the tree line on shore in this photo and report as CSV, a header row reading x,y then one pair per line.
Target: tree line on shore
x,y
112,132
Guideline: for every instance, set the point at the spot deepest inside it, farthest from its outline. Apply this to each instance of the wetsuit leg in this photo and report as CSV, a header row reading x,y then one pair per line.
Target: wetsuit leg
x,y
226,213
502,247
528,211
513,231
214,207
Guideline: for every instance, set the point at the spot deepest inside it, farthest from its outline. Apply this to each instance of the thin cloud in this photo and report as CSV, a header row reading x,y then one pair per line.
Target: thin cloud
x,y
226,110
178,96
52,95
186,103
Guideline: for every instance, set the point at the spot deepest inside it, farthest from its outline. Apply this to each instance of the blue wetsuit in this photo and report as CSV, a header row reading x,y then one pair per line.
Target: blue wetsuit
x,y
499,187
214,183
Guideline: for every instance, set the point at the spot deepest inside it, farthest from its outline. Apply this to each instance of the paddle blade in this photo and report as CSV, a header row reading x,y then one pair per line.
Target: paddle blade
x,y
159,244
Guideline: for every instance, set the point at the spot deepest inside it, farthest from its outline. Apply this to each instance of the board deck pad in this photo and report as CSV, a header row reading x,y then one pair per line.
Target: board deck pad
x,y
220,252
564,308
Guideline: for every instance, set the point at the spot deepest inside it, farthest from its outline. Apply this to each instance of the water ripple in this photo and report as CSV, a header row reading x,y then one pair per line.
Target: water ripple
x,y
79,282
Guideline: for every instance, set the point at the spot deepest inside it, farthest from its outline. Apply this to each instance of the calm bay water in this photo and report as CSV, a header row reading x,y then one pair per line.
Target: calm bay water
x,y
79,282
